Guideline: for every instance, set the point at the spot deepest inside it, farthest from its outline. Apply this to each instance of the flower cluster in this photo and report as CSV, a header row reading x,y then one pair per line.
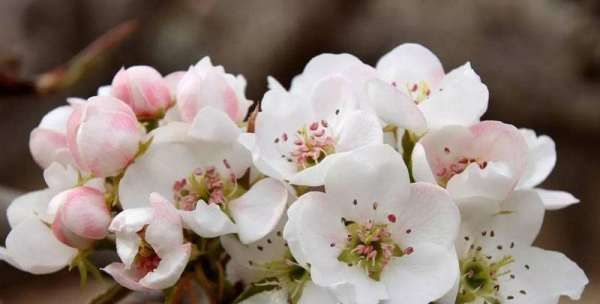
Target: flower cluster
x,y
357,185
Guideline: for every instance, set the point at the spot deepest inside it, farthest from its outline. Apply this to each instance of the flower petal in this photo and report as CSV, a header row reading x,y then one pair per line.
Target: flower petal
x,y
554,199
312,293
208,220
213,125
428,216
277,296
540,159
372,175
165,231
410,63
544,276
32,205
124,277
395,107
170,268
358,129
422,276
31,247
493,182
259,210
461,99
315,175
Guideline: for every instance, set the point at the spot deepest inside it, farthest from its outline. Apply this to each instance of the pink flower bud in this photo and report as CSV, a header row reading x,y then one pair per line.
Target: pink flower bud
x,y
80,216
143,89
103,135
48,142
207,85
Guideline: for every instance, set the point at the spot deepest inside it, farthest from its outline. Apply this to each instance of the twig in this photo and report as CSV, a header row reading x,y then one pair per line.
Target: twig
x,y
115,293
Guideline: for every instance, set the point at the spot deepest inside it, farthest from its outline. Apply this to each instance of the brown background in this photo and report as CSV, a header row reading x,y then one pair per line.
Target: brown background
x,y
539,58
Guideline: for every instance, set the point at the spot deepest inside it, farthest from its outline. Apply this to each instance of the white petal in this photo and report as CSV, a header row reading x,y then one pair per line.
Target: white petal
x,y
493,182
429,214
278,296
372,175
461,99
313,293
330,95
315,175
515,223
322,226
350,284
170,268
32,247
420,166
395,107
421,277
207,220
214,125
541,158
124,277
31,205
258,211
60,177
554,200
165,231
410,63
358,129
547,276
131,220
128,245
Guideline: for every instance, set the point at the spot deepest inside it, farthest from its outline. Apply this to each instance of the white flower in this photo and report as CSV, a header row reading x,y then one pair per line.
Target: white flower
x,y
207,85
486,159
48,141
31,245
456,98
298,138
268,263
343,76
541,159
198,166
151,246
372,235
498,263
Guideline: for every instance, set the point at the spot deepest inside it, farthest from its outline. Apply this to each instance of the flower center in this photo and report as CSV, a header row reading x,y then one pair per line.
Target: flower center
x,y
208,185
289,274
146,260
480,278
418,91
371,247
312,144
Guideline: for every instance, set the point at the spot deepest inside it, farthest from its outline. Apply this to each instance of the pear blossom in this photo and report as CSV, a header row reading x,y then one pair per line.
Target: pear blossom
x,y
344,76
456,98
297,139
151,246
48,141
269,265
96,150
486,159
31,245
541,158
198,166
144,90
207,85
498,263
373,236
79,216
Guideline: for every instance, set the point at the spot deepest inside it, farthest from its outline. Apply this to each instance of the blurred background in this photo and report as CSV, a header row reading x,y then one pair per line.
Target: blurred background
x,y
539,58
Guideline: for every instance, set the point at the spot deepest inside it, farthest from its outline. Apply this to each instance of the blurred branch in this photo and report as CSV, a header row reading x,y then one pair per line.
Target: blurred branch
x,y
67,74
